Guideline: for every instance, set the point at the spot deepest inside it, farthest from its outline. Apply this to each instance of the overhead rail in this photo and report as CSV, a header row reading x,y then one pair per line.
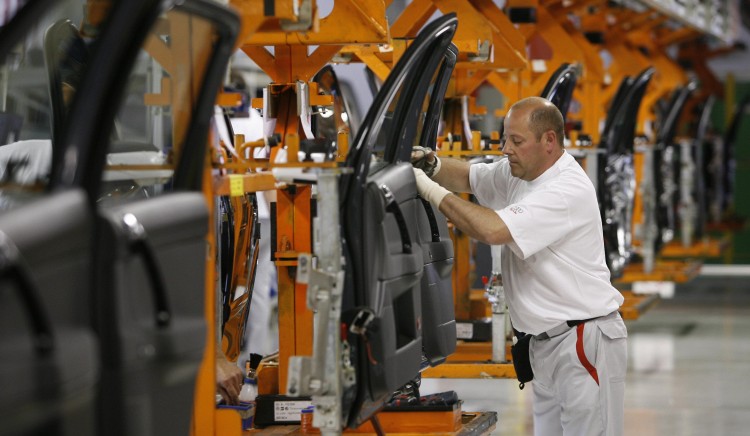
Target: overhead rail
x,y
716,18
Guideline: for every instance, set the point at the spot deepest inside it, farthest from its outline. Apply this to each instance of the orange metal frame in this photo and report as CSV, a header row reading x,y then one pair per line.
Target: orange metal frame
x,y
290,63
292,60
483,24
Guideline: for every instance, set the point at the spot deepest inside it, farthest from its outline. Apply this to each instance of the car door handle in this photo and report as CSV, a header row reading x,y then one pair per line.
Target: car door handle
x,y
13,267
391,206
140,246
434,230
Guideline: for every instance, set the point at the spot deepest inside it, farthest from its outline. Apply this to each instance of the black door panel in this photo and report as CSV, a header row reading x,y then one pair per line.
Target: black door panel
x,y
145,305
152,358
49,380
396,260
57,250
151,247
438,313
380,216
49,365
386,235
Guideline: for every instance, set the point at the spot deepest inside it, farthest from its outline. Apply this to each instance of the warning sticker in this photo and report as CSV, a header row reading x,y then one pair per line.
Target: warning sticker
x,y
236,185
289,410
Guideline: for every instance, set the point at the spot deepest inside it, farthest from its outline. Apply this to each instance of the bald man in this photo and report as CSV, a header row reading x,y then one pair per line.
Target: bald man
x,y
541,207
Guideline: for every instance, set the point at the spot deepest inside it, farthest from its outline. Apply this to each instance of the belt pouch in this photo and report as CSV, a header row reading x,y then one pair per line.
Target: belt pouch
x,y
521,361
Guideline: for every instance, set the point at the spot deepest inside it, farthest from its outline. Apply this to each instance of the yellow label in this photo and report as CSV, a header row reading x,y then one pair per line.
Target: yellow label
x,y
236,185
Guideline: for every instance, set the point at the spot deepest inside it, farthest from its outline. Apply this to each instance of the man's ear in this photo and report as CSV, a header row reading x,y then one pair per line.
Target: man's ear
x,y
549,140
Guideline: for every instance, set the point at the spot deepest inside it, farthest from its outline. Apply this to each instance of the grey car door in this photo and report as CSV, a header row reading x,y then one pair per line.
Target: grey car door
x,y
49,351
384,260
616,174
144,171
438,310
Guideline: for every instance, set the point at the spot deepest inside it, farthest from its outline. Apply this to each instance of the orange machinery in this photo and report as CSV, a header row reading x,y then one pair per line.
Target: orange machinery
x,y
291,31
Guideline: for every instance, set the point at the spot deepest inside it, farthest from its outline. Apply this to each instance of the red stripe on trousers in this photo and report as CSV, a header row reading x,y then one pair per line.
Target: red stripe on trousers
x,y
582,355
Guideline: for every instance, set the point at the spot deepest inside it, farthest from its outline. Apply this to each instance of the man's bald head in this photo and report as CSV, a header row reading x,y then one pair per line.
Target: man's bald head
x,y
543,116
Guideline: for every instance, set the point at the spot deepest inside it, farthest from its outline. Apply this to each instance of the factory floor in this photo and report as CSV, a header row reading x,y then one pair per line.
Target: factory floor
x,y
688,370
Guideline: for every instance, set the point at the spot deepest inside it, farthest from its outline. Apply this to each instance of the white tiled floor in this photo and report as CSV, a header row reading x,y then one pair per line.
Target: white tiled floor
x,y
689,369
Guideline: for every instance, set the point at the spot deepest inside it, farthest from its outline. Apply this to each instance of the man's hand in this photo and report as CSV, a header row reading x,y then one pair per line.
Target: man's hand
x,y
425,159
428,189
229,379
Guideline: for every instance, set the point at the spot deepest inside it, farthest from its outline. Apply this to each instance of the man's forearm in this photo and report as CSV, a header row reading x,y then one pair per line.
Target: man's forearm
x,y
453,175
479,222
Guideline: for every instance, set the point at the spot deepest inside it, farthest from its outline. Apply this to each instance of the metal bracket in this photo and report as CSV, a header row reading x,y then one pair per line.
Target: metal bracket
x,y
298,381
484,52
304,12
319,283
327,414
329,370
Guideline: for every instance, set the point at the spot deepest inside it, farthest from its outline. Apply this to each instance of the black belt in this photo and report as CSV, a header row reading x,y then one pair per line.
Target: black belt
x,y
544,335
560,329
557,331
578,322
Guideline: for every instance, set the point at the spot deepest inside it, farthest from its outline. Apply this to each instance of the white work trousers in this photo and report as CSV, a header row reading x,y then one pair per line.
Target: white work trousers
x,y
579,379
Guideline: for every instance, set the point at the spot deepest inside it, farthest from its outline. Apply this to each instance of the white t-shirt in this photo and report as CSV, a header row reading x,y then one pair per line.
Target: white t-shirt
x,y
554,270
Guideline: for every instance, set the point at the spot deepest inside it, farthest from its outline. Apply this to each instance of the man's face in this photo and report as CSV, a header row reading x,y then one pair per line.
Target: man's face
x,y
525,153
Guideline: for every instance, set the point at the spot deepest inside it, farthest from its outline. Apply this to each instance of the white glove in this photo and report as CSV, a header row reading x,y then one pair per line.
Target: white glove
x,y
425,159
428,189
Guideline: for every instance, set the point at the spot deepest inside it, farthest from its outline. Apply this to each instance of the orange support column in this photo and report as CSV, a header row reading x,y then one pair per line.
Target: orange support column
x,y
204,402
207,420
302,244
292,237
639,220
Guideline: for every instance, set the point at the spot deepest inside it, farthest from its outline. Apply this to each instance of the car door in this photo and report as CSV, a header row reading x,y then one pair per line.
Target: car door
x,y
665,178
384,261
559,88
728,167
438,310
49,351
152,217
616,177
693,205
328,122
